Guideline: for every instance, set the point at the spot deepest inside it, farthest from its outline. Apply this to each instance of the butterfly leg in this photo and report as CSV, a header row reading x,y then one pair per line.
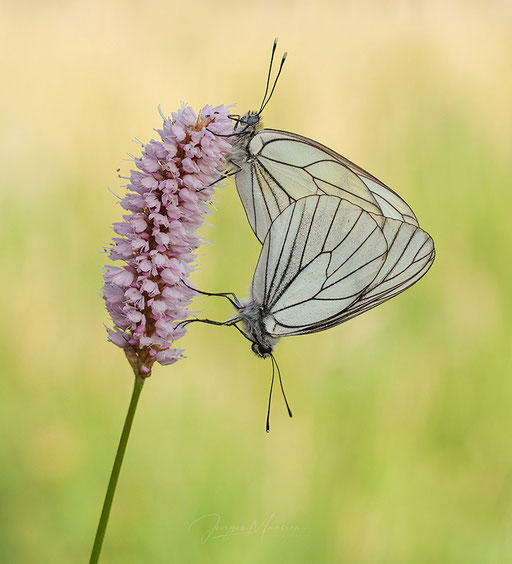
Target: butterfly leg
x,y
227,323
223,177
233,299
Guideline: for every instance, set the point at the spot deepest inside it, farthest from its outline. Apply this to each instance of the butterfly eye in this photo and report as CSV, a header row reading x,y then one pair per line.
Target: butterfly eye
x,y
261,350
252,120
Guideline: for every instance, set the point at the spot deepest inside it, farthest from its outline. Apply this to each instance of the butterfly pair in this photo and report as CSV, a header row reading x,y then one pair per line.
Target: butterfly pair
x,y
336,241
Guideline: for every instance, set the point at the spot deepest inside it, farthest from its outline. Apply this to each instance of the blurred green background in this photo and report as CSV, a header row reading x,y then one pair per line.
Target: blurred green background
x,y
400,450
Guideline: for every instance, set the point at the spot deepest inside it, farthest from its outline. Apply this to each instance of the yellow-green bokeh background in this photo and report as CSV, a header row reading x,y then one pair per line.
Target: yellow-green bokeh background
x,y
400,450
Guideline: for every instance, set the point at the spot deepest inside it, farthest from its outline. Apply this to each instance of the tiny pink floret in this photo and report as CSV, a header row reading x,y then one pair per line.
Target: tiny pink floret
x,y
167,201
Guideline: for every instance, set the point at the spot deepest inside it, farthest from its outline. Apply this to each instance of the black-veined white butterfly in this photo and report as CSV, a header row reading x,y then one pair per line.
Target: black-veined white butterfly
x,y
273,168
324,261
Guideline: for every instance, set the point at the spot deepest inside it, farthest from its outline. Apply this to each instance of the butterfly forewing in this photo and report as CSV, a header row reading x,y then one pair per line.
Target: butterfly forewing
x,y
289,233
325,261
295,240
391,204
282,167
320,254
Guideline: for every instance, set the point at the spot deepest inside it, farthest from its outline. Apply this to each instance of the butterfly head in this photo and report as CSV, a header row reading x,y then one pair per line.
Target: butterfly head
x,y
251,119
252,316
248,124
263,351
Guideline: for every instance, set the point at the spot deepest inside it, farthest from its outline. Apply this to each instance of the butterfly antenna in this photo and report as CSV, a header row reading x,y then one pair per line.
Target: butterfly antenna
x,y
275,83
282,387
270,400
269,73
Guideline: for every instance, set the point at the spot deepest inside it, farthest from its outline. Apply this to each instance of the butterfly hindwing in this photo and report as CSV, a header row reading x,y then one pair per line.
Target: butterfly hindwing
x,y
411,253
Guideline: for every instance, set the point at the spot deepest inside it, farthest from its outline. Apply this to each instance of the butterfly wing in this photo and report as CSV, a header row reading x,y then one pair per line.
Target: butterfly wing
x,y
410,255
319,256
282,167
325,260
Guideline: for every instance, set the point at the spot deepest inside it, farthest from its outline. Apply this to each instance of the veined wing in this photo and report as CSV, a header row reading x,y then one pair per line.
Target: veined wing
x,y
320,255
283,167
262,197
410,256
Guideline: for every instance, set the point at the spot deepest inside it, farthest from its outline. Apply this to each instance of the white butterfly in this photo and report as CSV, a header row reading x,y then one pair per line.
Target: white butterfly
x,y
325,260
273,168
281,167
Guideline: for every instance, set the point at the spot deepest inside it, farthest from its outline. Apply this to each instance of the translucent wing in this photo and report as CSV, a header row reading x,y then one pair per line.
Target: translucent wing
x,y
281,167
325,261
320,255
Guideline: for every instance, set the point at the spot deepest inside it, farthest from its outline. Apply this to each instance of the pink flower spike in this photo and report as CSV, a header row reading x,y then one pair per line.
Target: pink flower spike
x,y
166,203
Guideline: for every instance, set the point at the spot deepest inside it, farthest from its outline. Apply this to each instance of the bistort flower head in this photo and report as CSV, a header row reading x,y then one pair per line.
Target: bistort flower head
x,y
166,202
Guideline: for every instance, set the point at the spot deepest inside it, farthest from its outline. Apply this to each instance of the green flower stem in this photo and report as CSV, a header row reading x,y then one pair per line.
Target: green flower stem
x,y
102,525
